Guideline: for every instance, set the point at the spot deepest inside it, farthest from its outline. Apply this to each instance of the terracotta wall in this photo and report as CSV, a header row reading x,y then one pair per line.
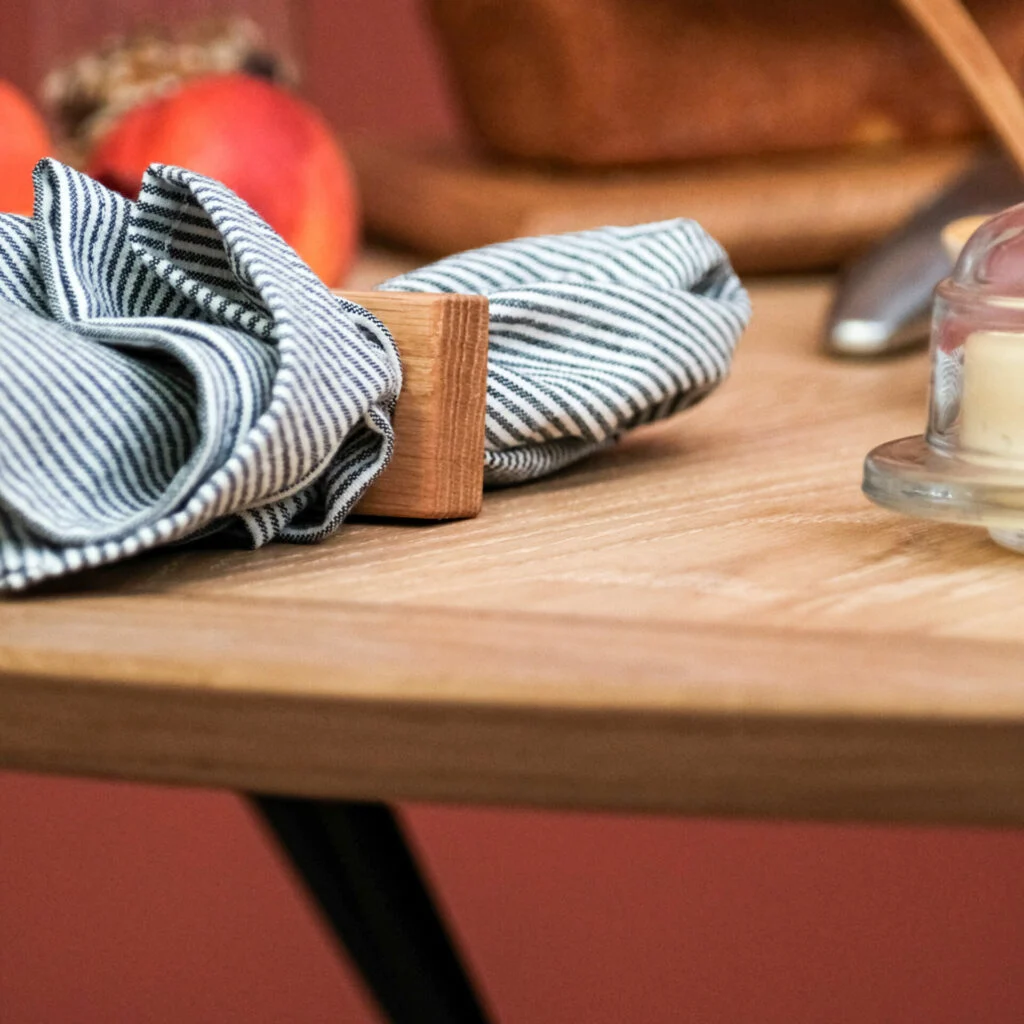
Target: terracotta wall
x,y
126,904
367,63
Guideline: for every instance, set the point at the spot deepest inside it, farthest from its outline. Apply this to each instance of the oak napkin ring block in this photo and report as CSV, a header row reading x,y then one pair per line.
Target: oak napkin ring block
x,y
437,470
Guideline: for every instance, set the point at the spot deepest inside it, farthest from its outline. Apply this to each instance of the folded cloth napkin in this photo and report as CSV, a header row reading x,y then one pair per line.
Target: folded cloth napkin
x,y
592,334
170,368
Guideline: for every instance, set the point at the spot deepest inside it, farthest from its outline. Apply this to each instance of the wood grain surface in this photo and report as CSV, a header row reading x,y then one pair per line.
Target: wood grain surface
x,y
786,213
708,619
437,470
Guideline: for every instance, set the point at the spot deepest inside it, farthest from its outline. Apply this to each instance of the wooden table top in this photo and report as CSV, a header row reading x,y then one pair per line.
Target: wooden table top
x,y
708,619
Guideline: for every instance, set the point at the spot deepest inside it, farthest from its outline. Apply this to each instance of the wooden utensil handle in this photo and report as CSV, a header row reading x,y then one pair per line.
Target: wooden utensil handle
x,y
964,46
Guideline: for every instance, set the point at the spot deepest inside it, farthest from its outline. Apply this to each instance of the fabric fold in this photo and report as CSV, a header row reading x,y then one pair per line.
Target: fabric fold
x,y
170,367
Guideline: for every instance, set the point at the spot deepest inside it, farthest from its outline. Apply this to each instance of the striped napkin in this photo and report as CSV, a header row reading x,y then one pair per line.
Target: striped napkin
x,y
593,334
169,368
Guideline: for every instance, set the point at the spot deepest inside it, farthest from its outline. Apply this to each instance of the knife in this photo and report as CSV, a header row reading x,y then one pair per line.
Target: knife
x,y
884,298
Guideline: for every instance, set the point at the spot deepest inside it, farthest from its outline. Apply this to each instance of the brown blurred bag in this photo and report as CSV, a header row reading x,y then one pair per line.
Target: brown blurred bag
x,y
605,82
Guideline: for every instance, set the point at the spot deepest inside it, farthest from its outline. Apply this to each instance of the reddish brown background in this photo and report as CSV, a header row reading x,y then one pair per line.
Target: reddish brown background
x,y
140,905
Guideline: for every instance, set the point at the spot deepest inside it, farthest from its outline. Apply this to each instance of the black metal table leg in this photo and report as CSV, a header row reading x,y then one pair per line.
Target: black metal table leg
x,y
356,863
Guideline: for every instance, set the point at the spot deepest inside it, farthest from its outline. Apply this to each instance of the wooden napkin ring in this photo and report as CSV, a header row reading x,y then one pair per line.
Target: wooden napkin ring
x,y
437,471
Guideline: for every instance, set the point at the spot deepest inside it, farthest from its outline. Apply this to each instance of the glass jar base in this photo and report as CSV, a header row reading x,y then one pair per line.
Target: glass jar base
x,y
911,477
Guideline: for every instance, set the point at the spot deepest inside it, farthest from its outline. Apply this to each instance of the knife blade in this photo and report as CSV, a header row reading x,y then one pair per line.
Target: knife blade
x,y
883,300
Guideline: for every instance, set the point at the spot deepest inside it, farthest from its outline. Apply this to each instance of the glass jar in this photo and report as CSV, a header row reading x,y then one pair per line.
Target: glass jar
x,y
968,467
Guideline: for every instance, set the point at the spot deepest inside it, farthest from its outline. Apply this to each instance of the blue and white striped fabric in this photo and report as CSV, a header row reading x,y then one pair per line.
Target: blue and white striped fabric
x,y
593,334
170,368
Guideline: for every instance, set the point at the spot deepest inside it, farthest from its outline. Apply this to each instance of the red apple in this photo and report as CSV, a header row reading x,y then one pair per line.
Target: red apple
x,y
264,143
23,141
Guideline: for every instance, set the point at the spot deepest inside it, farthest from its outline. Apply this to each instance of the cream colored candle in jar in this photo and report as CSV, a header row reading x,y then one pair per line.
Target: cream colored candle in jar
x,y
992,401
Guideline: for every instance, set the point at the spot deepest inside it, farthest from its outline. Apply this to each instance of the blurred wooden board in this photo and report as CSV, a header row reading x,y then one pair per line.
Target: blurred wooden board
x,y
707,619
437,470
771,214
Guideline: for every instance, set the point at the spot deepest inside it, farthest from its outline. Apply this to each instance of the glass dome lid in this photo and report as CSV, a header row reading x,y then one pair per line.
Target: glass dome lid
x,y
968,466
